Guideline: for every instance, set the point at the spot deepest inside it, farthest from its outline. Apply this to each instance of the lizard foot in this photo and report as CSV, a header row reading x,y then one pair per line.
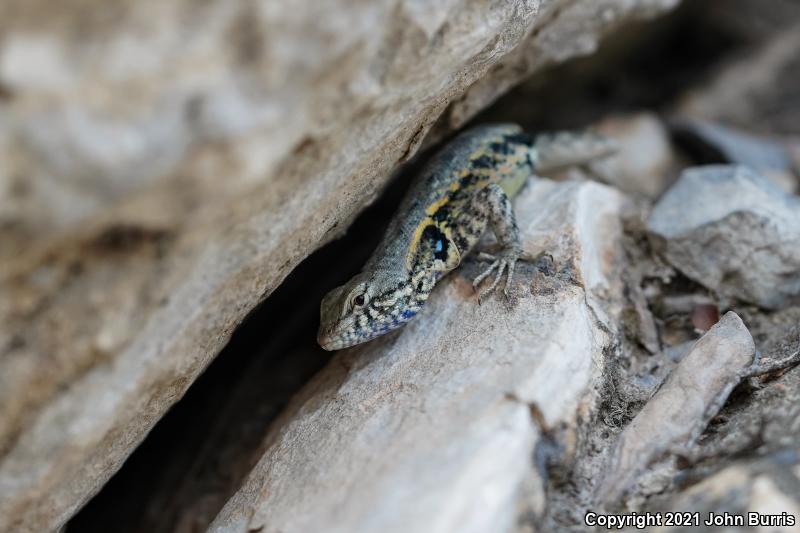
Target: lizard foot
x,y
504,262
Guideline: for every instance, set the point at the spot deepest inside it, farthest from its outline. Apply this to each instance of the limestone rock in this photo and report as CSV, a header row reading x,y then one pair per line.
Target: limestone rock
x,y
753,490
768,421
733,231
166,164
433,428
710,142
563,30
646,163
682,407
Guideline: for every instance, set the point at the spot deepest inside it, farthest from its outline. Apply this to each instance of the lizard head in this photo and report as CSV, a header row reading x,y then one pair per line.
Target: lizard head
x,y
368,306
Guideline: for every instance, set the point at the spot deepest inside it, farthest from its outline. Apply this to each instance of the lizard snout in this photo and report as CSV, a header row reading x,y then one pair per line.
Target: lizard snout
x,y
325,337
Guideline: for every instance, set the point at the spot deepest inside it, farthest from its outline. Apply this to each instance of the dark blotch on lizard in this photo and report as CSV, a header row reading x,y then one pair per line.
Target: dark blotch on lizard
x,y
463,190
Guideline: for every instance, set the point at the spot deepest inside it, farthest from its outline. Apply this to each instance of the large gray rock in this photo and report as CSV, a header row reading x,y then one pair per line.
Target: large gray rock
x,y
748,461
645,163
733,231
681,408
165,164
733,146
433,429
709,142
755,490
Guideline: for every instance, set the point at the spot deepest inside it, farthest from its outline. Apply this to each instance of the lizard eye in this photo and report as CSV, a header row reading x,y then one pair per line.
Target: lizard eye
x,y
358,298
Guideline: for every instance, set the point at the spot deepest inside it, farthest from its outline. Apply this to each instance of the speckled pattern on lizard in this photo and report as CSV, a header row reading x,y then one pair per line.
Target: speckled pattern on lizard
x,y
463,190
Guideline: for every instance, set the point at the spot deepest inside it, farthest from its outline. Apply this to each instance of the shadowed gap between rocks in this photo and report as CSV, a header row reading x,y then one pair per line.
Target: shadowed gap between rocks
x,y
198,454
644,66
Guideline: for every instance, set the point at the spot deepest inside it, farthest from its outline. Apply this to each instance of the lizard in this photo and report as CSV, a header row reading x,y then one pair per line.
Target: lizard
x,y
462,191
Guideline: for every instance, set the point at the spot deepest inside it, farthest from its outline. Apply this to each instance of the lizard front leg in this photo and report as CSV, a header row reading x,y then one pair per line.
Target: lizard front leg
x,y
494,205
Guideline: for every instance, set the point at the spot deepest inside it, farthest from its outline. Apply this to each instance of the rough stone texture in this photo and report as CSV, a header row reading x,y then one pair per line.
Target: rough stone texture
x,y
734,146
166,164
743,488
646,163
733,231
683,405
710,142
563,30
748,460
434,428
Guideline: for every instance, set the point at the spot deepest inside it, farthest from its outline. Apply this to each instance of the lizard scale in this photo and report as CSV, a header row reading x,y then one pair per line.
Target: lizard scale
x,y
461,192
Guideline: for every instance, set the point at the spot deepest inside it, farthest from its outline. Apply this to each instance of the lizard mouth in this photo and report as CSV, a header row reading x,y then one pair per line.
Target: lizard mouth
x,y
325,340
328,340
329,346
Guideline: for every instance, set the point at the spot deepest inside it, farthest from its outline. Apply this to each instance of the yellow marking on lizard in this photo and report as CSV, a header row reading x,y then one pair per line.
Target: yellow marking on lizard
x,y
488,175
428,221
446,203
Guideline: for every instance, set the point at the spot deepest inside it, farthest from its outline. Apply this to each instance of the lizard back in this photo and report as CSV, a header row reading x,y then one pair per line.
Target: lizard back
x,y
438,221
460,193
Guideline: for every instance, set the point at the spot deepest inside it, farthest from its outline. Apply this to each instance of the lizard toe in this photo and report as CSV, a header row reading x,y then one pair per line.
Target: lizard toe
x,y
502,264
485,274
509,277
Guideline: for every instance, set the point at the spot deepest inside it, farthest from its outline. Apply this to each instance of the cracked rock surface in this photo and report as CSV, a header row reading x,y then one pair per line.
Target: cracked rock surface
x,y
680,410
166,167
167,164
733,231
445,404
